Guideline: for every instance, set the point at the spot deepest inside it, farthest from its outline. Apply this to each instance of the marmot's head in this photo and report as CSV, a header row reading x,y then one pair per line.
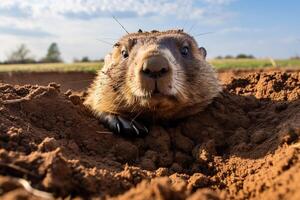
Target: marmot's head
x,y
158,73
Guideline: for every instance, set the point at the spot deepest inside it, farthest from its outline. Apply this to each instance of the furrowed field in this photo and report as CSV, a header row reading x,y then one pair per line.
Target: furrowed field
x,y
94,66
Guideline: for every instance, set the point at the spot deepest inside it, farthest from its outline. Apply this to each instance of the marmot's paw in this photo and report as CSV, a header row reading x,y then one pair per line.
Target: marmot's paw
x,y
122,126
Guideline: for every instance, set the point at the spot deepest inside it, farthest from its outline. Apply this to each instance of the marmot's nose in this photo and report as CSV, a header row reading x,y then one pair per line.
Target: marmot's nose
x,y
155,67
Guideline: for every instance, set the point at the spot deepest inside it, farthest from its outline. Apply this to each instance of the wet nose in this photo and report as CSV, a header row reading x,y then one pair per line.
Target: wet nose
x,y
155,67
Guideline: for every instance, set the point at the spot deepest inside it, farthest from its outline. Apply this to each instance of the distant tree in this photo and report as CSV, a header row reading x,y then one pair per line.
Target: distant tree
x,y
85,59
53,54
20,55
241,56
244,56
219,57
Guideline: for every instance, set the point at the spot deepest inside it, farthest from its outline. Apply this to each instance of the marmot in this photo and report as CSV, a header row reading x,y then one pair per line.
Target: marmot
x,y
152,75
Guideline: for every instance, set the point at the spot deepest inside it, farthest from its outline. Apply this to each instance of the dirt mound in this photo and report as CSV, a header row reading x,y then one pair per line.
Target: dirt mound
x,y
245,145
77,81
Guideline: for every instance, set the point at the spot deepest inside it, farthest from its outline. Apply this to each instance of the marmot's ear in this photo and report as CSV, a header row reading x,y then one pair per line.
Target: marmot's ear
x,y
203,52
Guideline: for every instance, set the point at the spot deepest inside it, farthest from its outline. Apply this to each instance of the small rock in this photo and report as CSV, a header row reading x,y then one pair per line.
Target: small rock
x,y
203,153
48,144
162,171
198,180
68,92
54,85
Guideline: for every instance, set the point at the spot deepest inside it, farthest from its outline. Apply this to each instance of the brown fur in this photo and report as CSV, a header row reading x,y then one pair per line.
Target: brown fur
x,y
118,85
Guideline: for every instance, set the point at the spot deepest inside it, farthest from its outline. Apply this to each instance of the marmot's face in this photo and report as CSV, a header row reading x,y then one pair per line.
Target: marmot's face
x,y
153,71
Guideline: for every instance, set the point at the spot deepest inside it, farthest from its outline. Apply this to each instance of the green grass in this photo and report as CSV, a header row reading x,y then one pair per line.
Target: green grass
x,y
53,67
220,64
253,63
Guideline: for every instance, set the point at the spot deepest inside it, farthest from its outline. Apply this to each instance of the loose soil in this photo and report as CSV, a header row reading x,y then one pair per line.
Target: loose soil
x,y
245,145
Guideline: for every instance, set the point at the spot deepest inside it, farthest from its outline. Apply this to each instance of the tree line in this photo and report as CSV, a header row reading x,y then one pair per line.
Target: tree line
x,y
22,55
239,56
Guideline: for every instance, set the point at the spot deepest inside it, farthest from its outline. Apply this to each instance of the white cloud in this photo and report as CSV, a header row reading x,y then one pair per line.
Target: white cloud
x,y
76,24
96,8
220,2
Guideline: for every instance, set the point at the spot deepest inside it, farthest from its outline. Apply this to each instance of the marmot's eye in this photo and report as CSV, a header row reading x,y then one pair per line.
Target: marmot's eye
x,y
184,51
124,53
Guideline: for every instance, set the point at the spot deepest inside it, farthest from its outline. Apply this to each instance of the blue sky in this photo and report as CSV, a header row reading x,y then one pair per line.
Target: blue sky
x,y
264,28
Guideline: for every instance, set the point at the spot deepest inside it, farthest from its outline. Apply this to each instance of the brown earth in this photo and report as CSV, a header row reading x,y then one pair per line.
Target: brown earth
x,y
245,145
77,81
80,81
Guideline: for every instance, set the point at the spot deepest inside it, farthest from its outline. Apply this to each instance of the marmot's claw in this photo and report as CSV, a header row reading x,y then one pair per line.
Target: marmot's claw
x,y
111,122
123,126
131,128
